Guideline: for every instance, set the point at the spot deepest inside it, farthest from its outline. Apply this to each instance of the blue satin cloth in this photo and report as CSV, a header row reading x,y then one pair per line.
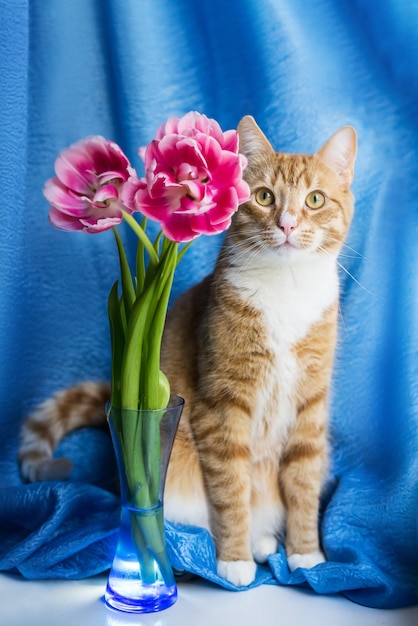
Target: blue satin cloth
x,y
303,69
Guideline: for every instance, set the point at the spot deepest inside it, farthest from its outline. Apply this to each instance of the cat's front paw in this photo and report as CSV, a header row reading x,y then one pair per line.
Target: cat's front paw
x,y
240,573
306,561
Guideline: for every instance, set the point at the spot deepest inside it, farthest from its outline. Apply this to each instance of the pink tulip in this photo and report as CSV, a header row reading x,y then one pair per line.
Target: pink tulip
x,y
85,194
193,179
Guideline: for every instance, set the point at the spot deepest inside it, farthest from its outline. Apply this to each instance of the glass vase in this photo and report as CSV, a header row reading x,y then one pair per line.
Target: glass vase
x,y
141,579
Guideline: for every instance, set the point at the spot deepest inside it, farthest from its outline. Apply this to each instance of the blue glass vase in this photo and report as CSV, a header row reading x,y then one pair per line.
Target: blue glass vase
x,y
141,579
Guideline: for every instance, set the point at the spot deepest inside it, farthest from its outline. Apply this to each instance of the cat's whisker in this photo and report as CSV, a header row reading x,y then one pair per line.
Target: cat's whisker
x,y
254,251
240,254
350,256
247,250
344,269
371,293
356,254
341,316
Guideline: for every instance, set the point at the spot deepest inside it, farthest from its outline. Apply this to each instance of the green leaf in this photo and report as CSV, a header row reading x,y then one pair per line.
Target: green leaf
x,y
117,337
157,242
128,290
140,268
183,251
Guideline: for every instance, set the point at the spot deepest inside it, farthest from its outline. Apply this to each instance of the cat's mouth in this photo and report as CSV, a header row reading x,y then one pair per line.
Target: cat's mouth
x,y
292,243
287,245
288,241
290,249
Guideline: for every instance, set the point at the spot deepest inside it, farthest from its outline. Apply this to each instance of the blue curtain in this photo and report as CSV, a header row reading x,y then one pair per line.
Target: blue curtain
x,y
303,69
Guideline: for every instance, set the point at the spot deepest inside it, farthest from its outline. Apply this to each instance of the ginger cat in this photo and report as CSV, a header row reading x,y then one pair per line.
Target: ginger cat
x,y
251,350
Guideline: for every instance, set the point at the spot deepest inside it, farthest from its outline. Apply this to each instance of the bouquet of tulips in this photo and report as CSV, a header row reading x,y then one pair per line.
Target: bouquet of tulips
x,y
193,184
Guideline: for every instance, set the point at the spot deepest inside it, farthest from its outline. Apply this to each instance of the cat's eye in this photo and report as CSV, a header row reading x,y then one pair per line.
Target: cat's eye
x,y
264,197
315,200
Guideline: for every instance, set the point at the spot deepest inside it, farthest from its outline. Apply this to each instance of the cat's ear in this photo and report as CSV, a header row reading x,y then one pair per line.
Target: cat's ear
x,y
340,151
252,140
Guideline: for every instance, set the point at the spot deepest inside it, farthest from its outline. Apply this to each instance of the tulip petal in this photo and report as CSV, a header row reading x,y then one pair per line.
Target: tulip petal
x,y
176,150
178,228
231,141
159,184
158,209
219,214
228,169
74,170
169,127
105,193
129,190
62,221
210,149
243,190
226,201
195,190
110,175
94,226
62,198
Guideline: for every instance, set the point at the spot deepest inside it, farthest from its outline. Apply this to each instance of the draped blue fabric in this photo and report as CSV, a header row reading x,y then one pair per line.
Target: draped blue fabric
x,y
303,69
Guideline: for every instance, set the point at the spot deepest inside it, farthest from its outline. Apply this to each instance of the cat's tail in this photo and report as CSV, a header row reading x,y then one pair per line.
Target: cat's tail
x,y
67,410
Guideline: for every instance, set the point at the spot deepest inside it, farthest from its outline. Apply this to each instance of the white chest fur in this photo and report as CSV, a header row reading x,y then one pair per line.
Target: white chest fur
x,y
291,297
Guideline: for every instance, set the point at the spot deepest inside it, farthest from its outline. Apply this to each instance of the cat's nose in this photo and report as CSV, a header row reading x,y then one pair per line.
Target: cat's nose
x,y
287,223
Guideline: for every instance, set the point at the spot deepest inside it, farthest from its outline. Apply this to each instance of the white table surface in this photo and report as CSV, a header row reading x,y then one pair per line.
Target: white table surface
x,y
80,603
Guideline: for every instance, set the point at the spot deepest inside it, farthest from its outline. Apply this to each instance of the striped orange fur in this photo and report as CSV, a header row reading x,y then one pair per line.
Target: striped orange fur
x,y
251,349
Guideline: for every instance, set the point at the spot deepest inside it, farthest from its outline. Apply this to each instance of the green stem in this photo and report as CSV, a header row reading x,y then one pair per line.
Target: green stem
x,y
155,331
131,368
140,542
148,536
140,232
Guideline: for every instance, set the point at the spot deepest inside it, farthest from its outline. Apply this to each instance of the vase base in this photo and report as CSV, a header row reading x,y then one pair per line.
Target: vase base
x,y
153,600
